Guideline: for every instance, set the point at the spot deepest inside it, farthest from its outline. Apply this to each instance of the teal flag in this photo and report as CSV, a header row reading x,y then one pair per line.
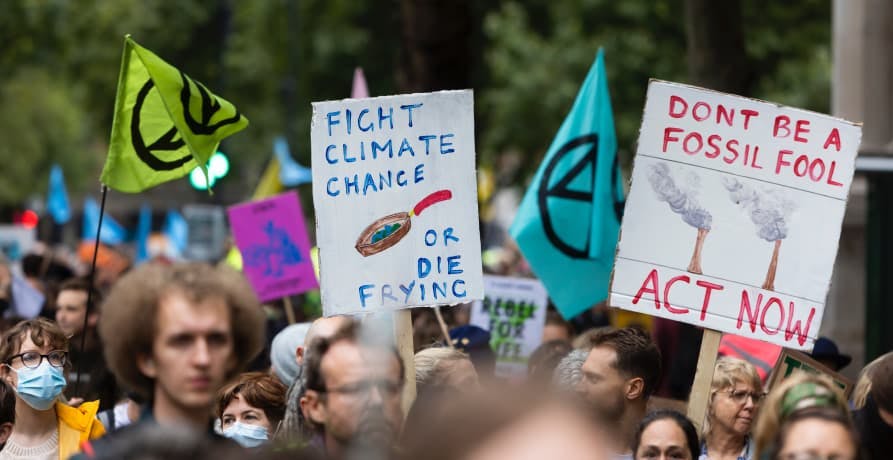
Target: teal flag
x,y
568,223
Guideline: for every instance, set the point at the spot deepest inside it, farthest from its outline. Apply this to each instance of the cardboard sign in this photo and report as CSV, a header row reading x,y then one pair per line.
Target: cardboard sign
x,y
514,311
395,194
733,219
272,238
16,241
791,361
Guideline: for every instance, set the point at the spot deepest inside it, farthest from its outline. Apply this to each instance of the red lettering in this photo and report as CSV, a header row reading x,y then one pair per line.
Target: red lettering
x,y
772,301
781,122
747,114
831,180
812,173
730,146
697,137
668,138
723,112
756,151
670,308
694,111
711,141
674,99
652,278
801,129
801,333
781,161
833,139
708,289
801,161
751,314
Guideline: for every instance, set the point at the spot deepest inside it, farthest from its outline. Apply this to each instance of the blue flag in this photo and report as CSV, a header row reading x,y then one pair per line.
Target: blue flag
x,y
57,197
143,229
176,229
112,232
568,222
291,173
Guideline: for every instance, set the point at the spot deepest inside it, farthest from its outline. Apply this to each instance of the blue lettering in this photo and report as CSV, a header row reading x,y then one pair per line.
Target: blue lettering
x,y
407,290
427,138
382,117
442,289
455,292
433,234
348,116
443,144
376,147
418,173
404,146
408,108
329,159
363,151
329,186
424,267
453,265
364,295
368,127
332,121
422,291
381,180
387,292
355,184
369,183
448,235
401,173
347,159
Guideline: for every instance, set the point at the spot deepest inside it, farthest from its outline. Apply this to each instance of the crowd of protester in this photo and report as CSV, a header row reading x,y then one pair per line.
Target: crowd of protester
x,y
163,364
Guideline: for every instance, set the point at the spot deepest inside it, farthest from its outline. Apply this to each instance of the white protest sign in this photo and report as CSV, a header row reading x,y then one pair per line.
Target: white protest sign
x,y
395,194
514,311
16,241
733,218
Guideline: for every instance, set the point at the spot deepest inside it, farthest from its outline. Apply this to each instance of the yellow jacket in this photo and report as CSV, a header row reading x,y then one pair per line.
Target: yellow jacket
x,y
76,425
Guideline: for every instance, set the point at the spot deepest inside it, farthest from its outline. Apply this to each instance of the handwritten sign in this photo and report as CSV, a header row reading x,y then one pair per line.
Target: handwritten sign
x,y
734,215
16,241
792,361
514,311
272,237
396,201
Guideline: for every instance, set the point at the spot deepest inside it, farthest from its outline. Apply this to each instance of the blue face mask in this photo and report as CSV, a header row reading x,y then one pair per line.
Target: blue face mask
x,y
39,387
246,435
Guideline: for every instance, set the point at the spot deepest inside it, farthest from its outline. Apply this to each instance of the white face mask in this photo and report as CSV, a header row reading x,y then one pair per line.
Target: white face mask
x,y
246,435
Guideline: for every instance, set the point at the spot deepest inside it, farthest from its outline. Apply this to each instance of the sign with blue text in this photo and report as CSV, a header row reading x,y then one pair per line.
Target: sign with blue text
x,y
395,194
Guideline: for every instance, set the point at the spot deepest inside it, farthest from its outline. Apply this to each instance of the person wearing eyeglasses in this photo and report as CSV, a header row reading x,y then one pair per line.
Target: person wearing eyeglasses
x,y
353,395
34,354
735,396
250,408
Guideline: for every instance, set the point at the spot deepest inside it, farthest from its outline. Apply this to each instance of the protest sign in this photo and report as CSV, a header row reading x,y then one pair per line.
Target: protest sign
x,y
395,195
514,311
16,241
272,237
791,361
734,214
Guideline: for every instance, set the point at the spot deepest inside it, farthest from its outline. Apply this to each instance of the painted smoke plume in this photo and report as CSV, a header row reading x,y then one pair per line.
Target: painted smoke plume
x,y
684,203
769,211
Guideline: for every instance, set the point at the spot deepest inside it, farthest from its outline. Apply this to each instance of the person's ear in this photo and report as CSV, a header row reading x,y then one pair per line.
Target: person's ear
x,y
8,375
635,388
146,365
5,432
313,407
299,355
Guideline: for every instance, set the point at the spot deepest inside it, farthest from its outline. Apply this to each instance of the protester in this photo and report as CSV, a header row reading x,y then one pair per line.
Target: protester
x,y
287,350
475,342
735,396
125,413
619,375
863,384
666,434
293,427
7,412
816,433
556,328
800,391
174,334
353,394
34,354
874,421
826,352
444,368
543,361
251,407
78,321
569,371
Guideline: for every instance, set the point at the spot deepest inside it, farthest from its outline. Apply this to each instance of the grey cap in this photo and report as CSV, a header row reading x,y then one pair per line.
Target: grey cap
x,y
282,351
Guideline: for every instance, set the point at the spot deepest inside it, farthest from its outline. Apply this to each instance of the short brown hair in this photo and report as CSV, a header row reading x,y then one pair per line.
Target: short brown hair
x,y
637,355
7,403
130,314
83,285
882,383
259,390
42,332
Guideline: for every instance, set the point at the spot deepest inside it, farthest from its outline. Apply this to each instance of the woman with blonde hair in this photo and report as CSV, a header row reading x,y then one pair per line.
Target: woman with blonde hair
x,y
735,395
799,392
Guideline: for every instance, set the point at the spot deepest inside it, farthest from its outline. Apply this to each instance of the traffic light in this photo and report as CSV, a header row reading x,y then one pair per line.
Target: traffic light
x,y
218,166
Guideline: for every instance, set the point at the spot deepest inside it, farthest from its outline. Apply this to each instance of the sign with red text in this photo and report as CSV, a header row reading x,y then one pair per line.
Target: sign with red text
x,y
395,193
733,218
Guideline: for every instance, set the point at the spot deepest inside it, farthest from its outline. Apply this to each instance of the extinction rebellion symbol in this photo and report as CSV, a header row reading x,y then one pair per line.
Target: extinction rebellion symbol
x,y
561,190
170,141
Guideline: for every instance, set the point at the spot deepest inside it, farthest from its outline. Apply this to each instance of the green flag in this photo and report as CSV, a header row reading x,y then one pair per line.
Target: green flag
x,y
165,123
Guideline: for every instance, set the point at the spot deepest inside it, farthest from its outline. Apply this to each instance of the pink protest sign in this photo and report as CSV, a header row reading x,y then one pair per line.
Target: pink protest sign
x,y
272,238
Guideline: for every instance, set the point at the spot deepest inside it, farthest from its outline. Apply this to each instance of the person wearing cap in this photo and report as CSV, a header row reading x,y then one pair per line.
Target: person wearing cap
x,y
826,352
475,342
286,352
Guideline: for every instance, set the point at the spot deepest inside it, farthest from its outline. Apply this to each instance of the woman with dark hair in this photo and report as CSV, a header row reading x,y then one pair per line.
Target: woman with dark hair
x,y
250,408
666,434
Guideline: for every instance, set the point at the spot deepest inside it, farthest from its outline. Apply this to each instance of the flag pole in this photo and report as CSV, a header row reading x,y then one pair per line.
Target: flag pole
x,y
90,280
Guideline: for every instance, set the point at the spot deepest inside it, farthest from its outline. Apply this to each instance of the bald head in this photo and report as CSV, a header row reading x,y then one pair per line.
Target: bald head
x,y
322,327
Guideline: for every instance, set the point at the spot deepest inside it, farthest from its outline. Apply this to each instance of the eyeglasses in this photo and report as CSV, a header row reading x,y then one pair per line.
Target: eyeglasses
x,y
740,396
386,388
32,359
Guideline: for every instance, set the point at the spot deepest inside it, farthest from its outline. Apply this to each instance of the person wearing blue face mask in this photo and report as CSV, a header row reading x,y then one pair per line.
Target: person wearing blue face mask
x,y
34,354
250,408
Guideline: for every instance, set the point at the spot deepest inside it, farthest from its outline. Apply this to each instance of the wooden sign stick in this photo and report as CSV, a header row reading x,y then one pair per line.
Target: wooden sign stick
x,y
289,310
403,339
700,388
